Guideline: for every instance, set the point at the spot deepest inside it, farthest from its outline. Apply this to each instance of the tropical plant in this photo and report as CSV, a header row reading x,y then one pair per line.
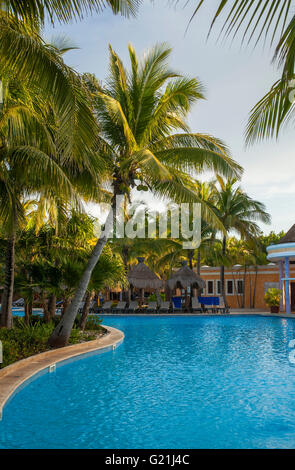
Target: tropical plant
x,y
259,20
65,10
28,164
25,53
138,112
239,213
272,297
43,151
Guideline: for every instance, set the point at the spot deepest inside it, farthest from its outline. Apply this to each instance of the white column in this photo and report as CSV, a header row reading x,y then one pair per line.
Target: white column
x,y
281,275
287,285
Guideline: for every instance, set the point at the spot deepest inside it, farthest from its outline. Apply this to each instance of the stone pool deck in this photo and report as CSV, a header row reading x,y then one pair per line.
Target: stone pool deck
x,y
13,376
194,314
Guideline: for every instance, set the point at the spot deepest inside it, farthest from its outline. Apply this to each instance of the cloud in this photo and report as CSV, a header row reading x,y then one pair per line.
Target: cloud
x,y
235,79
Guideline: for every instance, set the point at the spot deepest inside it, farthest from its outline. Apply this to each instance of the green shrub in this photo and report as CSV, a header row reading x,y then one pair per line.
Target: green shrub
x,y
273,297
26,340
153,297
93,323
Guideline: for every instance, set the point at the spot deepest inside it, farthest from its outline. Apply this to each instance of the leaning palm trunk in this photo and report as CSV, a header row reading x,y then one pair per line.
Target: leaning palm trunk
x,y
6,306
61,334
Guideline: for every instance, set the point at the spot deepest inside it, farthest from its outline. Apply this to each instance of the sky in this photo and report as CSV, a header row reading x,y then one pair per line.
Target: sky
x,y
234,78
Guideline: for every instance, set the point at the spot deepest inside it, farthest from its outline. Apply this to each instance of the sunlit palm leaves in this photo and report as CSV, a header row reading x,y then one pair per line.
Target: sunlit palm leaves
x,y
238,211
261,20
273,111
25,55
138,111
65,10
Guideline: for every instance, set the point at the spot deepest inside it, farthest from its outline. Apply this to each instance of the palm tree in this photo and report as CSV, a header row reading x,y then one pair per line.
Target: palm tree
x,y
25,54
259,21
33,148
138,112
109,272
237,212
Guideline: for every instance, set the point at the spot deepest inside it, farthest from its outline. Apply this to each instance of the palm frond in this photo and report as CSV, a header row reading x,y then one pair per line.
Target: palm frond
x,y
66,10
23,53
273,111
255,16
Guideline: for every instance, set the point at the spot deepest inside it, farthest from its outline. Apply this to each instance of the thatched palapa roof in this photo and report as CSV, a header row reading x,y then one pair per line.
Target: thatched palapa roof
x,y
142,277
289,237
186,277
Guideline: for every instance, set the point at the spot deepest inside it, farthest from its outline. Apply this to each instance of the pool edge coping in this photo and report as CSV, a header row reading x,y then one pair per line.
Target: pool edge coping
x,y
14,376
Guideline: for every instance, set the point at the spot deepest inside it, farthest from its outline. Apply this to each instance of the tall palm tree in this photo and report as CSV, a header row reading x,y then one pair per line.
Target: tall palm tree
x,y
238,213
138,111
258,21
34,160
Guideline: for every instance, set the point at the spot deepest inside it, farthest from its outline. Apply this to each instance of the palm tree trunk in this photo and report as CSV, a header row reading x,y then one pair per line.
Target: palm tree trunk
x,y
199,262
52,306
125,261
245,276
7,297
222,280
46,315
190,258
61,334
28,311
85,312
254,290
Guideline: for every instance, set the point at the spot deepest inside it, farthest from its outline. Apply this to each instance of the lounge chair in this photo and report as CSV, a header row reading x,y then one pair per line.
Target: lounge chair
x,y
176,304
119,307
133,306
164,307
19,303
196,306
152,307
222,308
107,306
210,308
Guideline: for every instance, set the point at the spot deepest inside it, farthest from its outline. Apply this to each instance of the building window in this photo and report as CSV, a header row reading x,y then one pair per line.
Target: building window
x,y
218,287
210,288
230,287
240,287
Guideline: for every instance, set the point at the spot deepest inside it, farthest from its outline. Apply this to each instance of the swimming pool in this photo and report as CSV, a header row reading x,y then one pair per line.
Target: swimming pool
x,y
175,382
19,311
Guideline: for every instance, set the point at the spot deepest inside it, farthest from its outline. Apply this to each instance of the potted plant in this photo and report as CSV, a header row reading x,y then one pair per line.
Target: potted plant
x,y
272,299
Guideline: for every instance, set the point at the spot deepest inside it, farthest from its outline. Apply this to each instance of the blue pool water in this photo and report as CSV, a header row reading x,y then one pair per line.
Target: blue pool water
x,y
19,311
175,382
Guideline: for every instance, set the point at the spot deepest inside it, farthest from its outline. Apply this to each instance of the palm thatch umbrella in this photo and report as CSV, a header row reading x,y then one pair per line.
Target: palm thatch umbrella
x,y
186,278
143,278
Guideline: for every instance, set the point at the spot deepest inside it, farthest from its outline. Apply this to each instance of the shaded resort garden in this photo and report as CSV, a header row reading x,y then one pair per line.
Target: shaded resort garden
x,y
75,277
